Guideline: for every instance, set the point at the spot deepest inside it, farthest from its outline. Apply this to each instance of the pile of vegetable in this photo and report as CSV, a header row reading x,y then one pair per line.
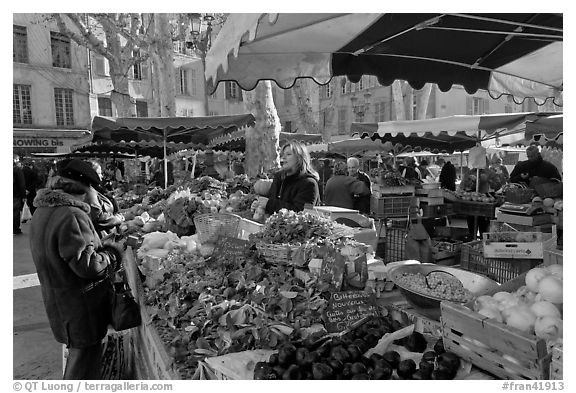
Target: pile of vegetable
x,y
287,226
439,285
393,178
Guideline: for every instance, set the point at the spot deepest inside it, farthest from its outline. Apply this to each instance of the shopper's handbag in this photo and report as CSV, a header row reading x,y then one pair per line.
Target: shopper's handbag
x,y
125,311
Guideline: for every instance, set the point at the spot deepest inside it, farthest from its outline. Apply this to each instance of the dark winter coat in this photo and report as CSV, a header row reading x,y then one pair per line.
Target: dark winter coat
x,y
340,191
105,216
18,182
538,167
448,176
72,266
362,201
292,193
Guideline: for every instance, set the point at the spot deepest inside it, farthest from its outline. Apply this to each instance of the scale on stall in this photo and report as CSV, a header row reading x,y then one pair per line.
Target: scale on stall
x,y
522,214
526,209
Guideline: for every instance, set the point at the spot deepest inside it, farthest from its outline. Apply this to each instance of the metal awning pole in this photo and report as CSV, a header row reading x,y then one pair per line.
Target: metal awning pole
x,y
165,163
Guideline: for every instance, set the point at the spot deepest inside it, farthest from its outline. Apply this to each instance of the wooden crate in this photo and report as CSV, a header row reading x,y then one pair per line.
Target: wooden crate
x,y
460,323
151,359
552,257
556,365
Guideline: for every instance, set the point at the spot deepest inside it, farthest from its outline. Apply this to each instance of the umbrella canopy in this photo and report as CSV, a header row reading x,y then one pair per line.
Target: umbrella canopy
x,y
511,53
237,140
548,128
452,133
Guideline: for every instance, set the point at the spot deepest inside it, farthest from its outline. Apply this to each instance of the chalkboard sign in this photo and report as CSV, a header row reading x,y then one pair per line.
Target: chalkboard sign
x,y
346,308
229,249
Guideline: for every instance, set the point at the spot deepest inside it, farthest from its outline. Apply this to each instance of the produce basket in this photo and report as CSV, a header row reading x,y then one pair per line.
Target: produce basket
x,y
280,254
498,269
390,206
519,195
210,226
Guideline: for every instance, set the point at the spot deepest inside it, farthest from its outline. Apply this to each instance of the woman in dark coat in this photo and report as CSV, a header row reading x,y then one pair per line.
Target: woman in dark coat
x,y
448,176
103,207
295,184
73,266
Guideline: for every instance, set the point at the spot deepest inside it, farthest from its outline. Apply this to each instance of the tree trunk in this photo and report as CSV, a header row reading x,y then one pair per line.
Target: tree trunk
x,y
162,53
302,93
423,99
262,140
397,100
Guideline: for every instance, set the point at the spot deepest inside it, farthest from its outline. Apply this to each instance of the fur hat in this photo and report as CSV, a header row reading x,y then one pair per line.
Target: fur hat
x,y
80,171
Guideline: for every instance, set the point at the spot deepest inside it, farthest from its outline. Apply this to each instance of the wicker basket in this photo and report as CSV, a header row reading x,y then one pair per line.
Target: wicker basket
x,y
278,254
211,226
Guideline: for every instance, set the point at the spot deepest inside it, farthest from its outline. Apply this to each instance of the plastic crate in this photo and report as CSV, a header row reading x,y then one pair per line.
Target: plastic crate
x,y
498,269
390,206
395,245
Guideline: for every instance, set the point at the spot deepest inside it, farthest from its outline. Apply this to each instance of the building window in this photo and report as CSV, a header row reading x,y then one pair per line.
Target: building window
x,y
104,106
233,91
141,108
22,105
345,86
287,97
193,83
100,66
288,126
326,91
60,45
182,82
380,111
20,44
139,69
477,106
342,120
64,108
212,113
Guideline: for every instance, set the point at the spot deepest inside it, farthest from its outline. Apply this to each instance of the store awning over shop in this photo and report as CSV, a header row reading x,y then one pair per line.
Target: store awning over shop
x,y
43,139
237,140
518,54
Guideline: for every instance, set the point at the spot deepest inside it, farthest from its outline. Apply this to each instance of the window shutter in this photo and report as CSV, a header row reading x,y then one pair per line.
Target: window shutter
x,y
144,70
486,106
239,93
469,105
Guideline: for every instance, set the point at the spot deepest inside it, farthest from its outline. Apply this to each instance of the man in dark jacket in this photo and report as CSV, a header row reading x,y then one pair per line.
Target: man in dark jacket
x,y
361,202
534,166
19,193
341,188
33,182
73,267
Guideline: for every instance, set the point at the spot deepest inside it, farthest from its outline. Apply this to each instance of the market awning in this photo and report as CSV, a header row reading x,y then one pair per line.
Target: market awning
x,y
549,128
237,140
186,130
519,54
84,155
451,133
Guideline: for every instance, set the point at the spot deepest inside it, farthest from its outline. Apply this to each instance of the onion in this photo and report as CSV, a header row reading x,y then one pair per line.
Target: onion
x,y
545,309
548,328
534,276
556,270
551,289
491,312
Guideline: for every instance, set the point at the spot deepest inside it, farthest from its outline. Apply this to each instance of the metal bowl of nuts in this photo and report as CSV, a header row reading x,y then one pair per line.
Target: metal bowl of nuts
x,y
425,285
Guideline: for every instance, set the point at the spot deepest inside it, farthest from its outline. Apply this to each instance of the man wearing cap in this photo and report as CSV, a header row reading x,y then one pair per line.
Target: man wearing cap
x,y
73,268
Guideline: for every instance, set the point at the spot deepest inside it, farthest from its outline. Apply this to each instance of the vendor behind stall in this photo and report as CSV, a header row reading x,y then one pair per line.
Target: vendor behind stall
x,y
534,166
295,184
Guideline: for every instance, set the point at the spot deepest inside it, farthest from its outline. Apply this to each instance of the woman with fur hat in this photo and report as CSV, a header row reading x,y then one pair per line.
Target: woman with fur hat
x,y
73,268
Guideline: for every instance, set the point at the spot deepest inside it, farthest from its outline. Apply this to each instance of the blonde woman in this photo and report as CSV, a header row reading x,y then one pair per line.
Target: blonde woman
x,y
295,184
